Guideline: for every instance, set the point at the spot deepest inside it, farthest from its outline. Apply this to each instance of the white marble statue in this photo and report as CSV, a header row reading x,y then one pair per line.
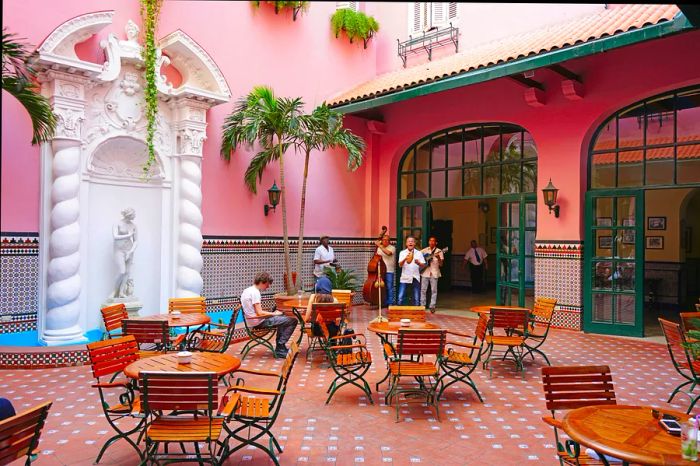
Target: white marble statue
x,y
125,242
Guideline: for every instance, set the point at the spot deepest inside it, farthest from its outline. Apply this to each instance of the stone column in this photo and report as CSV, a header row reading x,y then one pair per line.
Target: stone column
x,y
191,136
61,319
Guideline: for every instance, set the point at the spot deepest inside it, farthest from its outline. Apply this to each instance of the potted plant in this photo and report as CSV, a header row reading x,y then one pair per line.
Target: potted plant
x,y
356,25
296,7
342,279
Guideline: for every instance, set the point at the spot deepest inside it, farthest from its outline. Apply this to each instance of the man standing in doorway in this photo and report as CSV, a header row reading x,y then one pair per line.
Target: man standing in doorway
x,y
476,258
431,273
410,261
388,253
324,257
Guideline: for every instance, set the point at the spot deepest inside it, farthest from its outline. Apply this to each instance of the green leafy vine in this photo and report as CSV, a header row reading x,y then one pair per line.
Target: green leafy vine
x,y
150,10
356,25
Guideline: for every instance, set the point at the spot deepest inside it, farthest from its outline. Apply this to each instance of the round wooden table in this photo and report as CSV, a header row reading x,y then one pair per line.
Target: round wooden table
x,y
294,303
184,320
487,309
392,328
222,364
629,433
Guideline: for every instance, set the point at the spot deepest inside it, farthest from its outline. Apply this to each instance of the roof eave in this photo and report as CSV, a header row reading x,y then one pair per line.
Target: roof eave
x,y
679,24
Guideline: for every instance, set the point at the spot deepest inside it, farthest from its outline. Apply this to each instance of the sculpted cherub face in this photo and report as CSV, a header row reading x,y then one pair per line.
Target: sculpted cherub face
x,y
129,214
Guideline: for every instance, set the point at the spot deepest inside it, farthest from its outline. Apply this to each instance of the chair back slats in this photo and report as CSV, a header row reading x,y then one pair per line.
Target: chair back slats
x,y
19,434
329,312
194,305
481,327
675,340
690,321
112,356
570,387
543,310
289,363
112,316
147,331
343,296
505,318
181,391
421,342
415,313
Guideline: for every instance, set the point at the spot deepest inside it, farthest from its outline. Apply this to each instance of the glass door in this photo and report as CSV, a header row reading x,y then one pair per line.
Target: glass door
x,y
515,257
614,263
414,219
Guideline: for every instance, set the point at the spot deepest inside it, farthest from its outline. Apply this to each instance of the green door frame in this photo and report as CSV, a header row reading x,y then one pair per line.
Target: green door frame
x,y
504,226
425,221
614,328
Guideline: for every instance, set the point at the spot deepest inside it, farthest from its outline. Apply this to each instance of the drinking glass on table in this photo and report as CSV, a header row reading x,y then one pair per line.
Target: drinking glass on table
x,y
689,440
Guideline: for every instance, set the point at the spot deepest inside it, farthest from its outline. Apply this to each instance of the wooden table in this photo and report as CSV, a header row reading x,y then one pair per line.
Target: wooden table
x,y
392,328
184,320
487,309
629,433
288,305
222,364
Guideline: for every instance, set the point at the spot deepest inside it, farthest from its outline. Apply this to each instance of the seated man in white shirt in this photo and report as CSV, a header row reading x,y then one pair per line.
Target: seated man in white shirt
x,y
410,262
256,317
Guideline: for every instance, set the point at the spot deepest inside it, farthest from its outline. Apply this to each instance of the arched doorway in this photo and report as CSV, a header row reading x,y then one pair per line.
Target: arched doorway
x,y
644,161
484,176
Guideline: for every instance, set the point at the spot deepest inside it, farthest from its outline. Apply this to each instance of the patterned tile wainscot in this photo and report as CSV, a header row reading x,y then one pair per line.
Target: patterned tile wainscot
x,y
230,264
19,281
558,274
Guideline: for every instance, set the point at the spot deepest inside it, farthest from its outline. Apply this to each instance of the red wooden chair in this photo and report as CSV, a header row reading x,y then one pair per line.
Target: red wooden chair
x,y
194,396
193,305
19,434
690,321
152,336
461,359
416,344
118,400
112,317
539,327
324,314
686,365
571,387
513,346
211,341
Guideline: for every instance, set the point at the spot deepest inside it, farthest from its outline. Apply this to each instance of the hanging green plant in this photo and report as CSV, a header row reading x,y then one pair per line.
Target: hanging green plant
x,y
356,25
150,9
296,7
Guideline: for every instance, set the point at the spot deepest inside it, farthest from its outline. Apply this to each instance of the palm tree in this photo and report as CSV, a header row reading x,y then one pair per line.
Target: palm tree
x,y
19,80
322,130
272,122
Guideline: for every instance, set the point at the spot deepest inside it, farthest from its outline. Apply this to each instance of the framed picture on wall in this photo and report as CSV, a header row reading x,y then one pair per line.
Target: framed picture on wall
x,y
605,242
656,223
655,242
628,237
603,221
492,235
628,222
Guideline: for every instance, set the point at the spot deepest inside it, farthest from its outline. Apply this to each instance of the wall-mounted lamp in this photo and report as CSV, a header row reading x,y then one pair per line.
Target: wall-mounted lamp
x,y
274,196
550,198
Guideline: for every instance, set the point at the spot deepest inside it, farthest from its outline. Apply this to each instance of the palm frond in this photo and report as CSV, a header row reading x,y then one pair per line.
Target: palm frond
x,y
257,166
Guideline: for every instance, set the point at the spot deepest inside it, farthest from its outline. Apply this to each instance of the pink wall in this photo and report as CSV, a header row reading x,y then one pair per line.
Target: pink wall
x,y
562,129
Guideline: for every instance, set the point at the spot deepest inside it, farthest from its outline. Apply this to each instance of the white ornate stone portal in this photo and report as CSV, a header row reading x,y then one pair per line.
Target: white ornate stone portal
x,y
93,166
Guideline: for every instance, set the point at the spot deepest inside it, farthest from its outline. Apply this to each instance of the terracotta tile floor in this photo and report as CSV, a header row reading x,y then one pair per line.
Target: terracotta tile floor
x,y
506,429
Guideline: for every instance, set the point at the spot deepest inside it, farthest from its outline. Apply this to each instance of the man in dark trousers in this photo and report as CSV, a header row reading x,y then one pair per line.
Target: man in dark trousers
x,y
476,258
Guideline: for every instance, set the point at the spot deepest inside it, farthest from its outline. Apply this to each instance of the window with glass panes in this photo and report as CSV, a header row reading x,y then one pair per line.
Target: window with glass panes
x,y
470,160
655,142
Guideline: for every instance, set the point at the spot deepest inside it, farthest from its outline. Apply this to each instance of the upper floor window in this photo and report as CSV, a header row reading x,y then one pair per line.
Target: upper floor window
x,y
354,6
426,16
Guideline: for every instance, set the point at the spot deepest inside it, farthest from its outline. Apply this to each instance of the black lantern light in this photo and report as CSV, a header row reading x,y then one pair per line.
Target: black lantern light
x,y
550,198
274,195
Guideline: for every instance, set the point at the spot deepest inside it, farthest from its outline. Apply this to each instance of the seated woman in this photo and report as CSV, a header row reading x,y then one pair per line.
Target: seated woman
x,y
322,295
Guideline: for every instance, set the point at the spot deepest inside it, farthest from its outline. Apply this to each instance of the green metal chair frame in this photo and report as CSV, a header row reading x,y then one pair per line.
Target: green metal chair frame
x,y
19,434
155,334
571,387
213,341
316,342
257,337
193,396
508,320
457,366
682,360
108,358
255,421
540,323
416,343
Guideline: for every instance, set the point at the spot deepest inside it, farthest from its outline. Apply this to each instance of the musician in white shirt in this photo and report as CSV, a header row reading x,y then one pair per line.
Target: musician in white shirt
x,y
430,275
324,257
476,258
410,262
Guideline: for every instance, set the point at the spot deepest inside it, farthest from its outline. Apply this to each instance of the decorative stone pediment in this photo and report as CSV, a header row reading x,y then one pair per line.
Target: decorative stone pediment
x,y
123,157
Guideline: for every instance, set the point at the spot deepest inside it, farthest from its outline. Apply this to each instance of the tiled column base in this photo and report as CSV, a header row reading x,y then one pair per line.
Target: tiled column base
x,y
558,274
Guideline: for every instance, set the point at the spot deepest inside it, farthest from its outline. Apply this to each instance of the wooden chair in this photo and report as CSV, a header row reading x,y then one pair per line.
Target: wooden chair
x,y
194,397
257,410
684,362
152,336
257,337
108,359
211,341
690,321
350,362
570,387
112,317
416,343
457,364
343,296
508,320
194,305
324,314
415,313
19,434
540,322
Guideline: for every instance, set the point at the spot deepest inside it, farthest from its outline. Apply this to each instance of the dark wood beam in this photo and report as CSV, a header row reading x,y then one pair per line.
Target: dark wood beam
x,y
527,82
565,73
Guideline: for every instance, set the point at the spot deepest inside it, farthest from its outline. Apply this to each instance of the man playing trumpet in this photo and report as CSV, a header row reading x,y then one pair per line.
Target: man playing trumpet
x,y
410,261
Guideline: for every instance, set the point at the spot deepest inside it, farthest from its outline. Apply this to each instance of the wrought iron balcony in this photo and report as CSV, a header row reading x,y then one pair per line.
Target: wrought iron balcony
x,y
429,40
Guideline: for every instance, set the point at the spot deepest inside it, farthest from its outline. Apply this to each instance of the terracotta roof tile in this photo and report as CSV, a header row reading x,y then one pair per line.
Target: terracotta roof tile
x,y
582,29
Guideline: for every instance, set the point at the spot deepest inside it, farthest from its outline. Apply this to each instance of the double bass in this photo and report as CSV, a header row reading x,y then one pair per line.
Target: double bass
x,y
376,273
